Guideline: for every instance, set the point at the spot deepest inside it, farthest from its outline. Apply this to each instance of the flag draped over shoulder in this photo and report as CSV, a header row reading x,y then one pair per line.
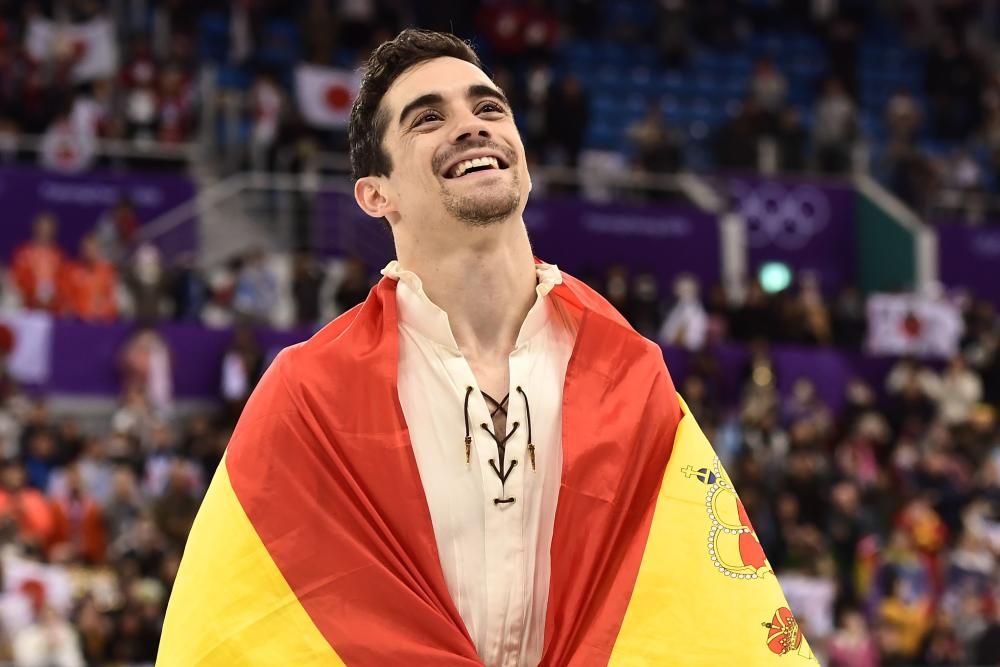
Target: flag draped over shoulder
x,y
314,545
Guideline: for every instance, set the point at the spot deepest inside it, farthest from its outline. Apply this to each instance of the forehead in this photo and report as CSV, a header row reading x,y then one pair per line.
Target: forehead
x,y
448,77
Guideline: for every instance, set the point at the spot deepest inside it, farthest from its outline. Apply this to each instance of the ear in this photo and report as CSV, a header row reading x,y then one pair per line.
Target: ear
x,y
369,192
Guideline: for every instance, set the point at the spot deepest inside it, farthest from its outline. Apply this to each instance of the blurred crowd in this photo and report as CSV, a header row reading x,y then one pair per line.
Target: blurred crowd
x,y
940,135
110,279
882,519
70,90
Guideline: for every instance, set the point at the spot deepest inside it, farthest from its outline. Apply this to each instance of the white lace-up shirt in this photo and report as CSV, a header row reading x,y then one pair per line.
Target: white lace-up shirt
x,y
495,555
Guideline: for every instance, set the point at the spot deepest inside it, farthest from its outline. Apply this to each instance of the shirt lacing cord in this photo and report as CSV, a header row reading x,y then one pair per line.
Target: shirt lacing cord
x,y
502,472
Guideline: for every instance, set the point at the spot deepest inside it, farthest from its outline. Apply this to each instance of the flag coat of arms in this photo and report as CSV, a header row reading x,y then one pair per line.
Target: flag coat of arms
x,y
314,545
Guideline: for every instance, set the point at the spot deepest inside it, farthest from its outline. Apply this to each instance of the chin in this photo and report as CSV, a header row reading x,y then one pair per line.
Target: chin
x,y
484,209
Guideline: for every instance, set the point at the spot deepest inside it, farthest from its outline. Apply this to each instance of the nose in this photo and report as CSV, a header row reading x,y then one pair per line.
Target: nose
x,y
470,126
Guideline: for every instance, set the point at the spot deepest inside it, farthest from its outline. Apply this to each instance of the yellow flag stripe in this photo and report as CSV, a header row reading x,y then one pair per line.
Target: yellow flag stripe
x,y
230,604
684,610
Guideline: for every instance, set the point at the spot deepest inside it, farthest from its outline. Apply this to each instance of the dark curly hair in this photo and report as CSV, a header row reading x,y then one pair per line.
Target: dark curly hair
x,y
368,120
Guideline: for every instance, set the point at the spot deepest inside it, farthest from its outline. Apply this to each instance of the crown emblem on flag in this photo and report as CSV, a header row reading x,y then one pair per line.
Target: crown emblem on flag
x,y
784,634
732,543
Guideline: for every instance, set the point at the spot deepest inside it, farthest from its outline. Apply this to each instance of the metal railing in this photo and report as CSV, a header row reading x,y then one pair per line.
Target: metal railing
x,y
121,151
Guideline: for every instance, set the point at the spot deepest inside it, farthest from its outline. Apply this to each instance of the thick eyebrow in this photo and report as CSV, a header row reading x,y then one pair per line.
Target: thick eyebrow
x,y
479,90
475,91
424,100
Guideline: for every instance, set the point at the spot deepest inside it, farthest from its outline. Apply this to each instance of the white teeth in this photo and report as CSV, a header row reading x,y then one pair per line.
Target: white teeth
x,y
466,165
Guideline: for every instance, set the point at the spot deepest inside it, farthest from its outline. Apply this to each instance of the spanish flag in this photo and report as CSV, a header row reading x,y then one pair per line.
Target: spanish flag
x,y
314,545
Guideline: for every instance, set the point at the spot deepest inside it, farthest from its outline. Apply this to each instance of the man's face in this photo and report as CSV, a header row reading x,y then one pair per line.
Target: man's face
x,y
441,114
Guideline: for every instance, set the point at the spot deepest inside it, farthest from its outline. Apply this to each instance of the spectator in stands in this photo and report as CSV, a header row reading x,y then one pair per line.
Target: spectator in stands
x,y
817,326
853,644
146,366
267,104
38,266
910,408
318,27
116,230
902,117
79,524
307,282
217,311
911,175
175,509
124,507
672,34
354,286
175,107
147,285
139,77
95,630
848,315
768,88
50,642
567,117
754,318
616,287
734,145
904,616
518,31
687,323
645,312
792,139
27,508
242,367
89,284
657,148
958,391
962,172
835,128
256,294
954,84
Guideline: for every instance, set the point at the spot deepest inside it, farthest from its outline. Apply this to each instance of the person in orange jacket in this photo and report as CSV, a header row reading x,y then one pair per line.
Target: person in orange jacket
x,y
37,266
89,284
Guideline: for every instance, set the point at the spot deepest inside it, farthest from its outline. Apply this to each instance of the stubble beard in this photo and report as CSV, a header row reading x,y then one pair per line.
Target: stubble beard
x,y
484,210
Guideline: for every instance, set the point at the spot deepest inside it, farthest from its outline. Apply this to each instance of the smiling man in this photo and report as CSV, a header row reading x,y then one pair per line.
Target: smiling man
x,y
481,464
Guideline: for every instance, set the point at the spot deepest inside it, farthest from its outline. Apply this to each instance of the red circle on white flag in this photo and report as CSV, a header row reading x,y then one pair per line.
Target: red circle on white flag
x,y
337,97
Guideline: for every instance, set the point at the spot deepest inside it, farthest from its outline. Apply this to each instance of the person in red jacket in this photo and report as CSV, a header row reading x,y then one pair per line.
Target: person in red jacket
x,y
89,284
26,507
78,521
37,266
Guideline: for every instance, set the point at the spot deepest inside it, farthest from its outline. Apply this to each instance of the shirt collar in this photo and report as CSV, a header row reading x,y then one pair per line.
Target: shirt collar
x,y
417,311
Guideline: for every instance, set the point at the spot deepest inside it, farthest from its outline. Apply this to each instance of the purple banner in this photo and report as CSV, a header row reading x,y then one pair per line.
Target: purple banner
x,y
79,201
969,258
85,360
664,240
578,236
808,226
85,357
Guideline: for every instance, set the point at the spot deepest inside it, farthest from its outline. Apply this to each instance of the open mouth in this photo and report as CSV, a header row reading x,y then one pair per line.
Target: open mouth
x,y
474,165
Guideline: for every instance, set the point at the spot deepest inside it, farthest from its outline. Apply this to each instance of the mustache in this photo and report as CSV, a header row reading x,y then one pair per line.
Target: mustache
x,y
449,155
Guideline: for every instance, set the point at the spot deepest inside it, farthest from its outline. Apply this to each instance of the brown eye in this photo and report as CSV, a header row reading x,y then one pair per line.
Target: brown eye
x,y
491,107
427,117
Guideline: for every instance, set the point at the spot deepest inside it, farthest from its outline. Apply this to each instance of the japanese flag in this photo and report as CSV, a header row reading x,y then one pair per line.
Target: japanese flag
x,y
325,94
90,46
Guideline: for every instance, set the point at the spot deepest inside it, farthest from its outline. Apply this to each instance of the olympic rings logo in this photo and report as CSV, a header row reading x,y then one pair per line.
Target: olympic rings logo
x,y
786,217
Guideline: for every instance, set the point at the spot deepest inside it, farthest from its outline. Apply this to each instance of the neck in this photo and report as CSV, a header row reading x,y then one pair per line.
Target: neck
x,y
486,284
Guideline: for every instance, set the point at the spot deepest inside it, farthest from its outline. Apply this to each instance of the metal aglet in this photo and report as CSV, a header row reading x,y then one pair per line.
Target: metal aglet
x,y
468,450
531,455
